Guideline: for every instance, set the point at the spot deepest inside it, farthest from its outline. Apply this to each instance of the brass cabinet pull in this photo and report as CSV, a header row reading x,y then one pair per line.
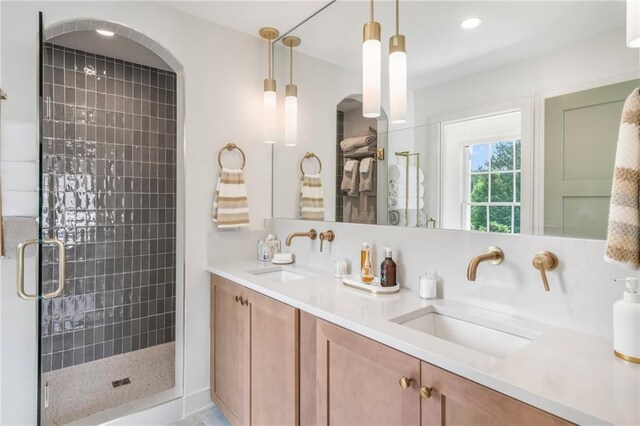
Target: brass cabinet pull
x,y
545,261
405,382
244,302
238,298
20,269
425,392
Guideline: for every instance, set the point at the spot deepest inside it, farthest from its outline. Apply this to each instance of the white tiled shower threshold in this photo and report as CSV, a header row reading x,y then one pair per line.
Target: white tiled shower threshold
x,y
83,394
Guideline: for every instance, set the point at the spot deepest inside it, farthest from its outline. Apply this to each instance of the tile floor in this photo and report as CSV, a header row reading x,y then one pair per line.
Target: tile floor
x,y
210,417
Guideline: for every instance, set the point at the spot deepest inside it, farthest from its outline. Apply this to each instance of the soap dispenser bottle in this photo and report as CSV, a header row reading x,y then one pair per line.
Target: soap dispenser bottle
x,y
626,322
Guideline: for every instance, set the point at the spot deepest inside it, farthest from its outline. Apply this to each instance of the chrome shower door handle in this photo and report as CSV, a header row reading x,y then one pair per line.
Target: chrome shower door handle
x,y
61,269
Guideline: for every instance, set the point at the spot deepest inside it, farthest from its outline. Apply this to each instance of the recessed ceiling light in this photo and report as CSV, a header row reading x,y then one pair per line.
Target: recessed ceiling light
x,y
467,24
106,33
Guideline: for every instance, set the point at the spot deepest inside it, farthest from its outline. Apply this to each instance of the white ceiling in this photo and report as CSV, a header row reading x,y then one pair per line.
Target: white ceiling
x,y
438,49
249,16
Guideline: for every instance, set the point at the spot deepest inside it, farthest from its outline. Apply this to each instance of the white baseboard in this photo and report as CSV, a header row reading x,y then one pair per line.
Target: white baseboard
x,y
197,401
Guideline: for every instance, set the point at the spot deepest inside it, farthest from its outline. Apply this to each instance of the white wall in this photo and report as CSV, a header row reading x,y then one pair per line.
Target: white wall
x,y
582,289
223,72
590,61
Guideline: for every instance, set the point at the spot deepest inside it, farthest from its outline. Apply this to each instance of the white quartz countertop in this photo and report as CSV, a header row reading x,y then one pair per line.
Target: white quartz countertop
x,y
571,374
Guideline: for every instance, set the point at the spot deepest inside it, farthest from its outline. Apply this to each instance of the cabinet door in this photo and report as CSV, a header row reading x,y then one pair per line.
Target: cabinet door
x,y
230,350
274,365
458,401
359,381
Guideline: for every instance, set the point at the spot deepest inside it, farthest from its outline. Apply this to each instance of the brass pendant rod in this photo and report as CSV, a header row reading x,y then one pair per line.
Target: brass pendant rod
x,y
397,17
371,11
291,64
270,59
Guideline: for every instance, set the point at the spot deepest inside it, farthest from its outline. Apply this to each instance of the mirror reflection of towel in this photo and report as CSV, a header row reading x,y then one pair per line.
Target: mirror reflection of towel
x,y
350,178
367,183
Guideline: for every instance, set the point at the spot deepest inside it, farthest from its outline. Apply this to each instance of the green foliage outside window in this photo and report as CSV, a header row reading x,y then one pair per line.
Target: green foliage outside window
x,y
492,181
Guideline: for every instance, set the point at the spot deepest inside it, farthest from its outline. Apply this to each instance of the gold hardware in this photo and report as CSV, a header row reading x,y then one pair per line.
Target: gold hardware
x,y
269,34
627,357
61,269
425,392
380,154
326,236
312,234
545,261
371,31
405,382
237,298
308,156
291,41
397,43
231,147
494,255
243,301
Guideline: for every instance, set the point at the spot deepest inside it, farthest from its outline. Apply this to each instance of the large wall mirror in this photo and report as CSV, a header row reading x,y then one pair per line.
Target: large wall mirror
x,y
511,125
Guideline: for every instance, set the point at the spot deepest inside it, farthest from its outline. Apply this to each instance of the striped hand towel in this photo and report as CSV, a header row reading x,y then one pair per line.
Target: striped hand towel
x,y
623,236
230,206
311,198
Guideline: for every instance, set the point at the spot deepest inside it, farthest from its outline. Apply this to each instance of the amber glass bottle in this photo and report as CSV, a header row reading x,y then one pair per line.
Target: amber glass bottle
x,y
388,270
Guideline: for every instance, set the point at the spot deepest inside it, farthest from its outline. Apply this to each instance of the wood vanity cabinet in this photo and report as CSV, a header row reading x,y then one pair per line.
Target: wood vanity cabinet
x,y
358,381
254,356
274,365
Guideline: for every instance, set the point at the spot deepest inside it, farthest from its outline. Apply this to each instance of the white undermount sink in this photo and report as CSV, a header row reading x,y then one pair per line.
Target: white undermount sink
x,y
281,273
492,338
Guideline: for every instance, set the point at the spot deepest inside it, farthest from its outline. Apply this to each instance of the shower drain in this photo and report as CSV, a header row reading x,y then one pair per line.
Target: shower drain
x,y
121,382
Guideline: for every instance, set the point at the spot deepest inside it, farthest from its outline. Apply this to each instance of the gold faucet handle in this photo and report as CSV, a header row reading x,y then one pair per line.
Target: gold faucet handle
x,y
326,236
545,261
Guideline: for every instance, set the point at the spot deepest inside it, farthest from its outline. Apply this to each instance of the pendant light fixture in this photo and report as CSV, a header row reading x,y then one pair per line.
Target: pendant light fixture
x,y
397,74
269,100
371,67
633,23
291,98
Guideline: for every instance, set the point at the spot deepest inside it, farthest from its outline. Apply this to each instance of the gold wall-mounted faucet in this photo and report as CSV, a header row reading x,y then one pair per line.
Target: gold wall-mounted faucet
x,y
545,261
312,234
494,255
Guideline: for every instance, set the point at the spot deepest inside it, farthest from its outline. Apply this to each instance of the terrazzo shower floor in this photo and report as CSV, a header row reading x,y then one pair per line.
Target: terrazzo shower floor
x,y
80,391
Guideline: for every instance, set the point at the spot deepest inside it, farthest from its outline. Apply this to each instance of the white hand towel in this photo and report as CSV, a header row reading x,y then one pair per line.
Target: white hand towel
x,y
230,204
350,144
402,190
623,236
311,198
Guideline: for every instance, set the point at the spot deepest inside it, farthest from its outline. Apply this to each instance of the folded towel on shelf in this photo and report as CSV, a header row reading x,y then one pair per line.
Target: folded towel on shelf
x,y
349,183
398,174
623,236
230,205
368,177
349,144
402,190
362,151
311,198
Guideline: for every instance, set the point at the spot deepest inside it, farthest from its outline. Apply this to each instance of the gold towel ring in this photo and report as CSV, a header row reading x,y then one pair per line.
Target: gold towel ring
x,y
231,147
307,156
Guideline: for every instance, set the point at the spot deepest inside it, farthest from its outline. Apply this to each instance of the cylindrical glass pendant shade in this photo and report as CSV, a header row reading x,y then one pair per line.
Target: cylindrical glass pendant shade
x,y
269,112
291,116
371,68
633,23
397,80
